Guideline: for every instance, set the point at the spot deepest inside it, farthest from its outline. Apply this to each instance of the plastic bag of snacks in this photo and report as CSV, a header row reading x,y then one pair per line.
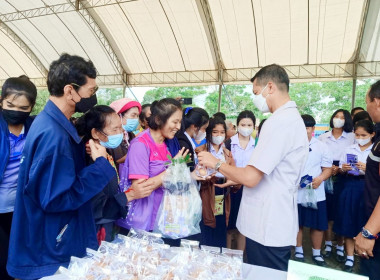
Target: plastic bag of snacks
x,y
180,211
309,197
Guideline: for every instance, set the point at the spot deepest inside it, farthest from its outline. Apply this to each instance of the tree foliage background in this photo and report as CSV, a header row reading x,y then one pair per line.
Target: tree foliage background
x,y
319,99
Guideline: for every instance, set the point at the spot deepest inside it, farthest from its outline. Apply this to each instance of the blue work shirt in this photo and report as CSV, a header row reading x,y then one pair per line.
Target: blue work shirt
x,y
54,190
8,185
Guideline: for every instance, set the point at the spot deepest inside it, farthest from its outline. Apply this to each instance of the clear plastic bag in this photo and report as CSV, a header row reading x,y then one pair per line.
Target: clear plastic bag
x,y
180,211
329,186
309,199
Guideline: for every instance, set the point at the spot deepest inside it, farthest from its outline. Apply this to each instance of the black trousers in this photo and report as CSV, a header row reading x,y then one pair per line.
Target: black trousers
x,y
5,232
371,267
271,257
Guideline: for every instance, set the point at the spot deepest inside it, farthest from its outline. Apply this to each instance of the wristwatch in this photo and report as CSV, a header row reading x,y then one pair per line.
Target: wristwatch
x,y
367,234
217,166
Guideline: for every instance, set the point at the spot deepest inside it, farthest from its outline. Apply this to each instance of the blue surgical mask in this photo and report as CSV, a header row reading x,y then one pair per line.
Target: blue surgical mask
x,y
131,125
113,141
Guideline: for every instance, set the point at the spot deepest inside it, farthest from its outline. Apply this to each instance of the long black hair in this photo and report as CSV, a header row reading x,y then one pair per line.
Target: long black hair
x,y
96,118
212,124
348,125
194,116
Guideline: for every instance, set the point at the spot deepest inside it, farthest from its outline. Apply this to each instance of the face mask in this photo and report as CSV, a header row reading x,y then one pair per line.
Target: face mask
x,y
338,123
200,136
245,131
131,125
85,104
15,117
363,142
260,102
217,140
113,141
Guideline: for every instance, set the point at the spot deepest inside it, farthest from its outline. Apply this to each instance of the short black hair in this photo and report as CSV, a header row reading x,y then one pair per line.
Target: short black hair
x,y
213,122
363,115
348,125
274,73
142,115
19,86
355,109
246,114
374,91
96,118
367,125
69,69
162,110
220,115
308,120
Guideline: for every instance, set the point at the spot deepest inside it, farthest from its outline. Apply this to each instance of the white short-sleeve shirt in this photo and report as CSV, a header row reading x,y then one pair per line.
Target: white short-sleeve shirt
x,y
337,146
268,212
319,157
355,150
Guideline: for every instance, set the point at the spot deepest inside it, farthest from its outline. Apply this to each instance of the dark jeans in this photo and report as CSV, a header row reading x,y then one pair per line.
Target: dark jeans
x,y
5,231
271,257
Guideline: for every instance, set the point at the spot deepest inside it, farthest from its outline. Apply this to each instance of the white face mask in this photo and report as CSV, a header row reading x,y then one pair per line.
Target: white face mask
x,y
260,101
217,140
363,142
200,136
245,131
338,123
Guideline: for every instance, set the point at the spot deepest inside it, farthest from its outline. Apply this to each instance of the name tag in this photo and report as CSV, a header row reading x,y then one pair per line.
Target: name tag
x,y
219,203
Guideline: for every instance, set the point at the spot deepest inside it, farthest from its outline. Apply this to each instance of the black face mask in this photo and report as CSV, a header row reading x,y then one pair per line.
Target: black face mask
x,y
86,104
15,117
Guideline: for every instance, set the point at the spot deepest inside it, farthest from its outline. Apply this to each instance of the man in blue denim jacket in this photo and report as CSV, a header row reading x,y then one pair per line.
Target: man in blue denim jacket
x,y
53,219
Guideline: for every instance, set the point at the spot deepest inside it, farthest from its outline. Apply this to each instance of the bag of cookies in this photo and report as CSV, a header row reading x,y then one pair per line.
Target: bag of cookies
x,y
180,211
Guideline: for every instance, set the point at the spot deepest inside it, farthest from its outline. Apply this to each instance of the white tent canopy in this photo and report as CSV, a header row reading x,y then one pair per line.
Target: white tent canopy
x,y
192,42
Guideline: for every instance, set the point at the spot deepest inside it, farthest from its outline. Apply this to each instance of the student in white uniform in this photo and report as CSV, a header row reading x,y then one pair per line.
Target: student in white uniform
x,y
318,165
268,214
350,218
337,140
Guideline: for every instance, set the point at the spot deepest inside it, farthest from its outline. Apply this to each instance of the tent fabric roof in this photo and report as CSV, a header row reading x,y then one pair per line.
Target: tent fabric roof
x,y
199,42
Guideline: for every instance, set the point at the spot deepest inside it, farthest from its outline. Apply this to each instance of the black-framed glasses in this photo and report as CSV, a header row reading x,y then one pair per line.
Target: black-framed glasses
x,y
94,90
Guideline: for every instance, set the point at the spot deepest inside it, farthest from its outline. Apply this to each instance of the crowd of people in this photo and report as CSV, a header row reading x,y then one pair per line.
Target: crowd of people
x,y
67,184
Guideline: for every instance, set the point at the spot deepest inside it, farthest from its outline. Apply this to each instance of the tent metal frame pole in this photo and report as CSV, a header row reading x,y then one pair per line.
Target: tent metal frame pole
x,y
353,97
220,97
124,89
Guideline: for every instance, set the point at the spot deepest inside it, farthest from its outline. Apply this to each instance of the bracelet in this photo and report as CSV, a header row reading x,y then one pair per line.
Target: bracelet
x,y
218,165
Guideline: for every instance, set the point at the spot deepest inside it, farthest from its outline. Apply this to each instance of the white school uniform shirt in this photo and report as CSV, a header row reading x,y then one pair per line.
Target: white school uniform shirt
x,y
240,155
219,155
337,146
195,156
319,157
268,212
355,150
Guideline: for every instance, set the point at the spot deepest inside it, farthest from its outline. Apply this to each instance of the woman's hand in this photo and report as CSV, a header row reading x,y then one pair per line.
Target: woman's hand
x,y
228,183
361,166
346,167
182,153
317,181
335,170
97,150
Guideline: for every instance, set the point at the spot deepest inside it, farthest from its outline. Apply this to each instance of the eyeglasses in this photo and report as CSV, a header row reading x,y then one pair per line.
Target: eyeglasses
x,y
93,91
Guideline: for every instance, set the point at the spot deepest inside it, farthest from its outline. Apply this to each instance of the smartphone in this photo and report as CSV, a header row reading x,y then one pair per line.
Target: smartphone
x,y
187,101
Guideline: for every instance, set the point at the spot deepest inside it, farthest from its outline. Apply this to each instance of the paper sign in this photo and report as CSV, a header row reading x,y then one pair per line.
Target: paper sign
x,y
303,271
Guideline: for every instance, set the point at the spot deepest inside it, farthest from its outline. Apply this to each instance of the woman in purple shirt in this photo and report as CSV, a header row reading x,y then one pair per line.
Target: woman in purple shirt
x,y
146,163
18,97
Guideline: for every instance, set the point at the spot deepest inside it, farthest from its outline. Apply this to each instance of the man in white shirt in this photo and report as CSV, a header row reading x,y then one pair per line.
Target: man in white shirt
x,y
268,211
